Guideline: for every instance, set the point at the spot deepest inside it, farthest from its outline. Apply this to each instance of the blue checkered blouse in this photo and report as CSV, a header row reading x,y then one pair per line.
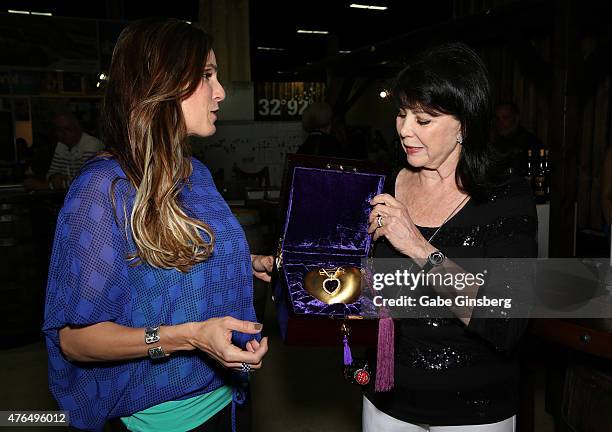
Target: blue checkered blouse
x,y
90,281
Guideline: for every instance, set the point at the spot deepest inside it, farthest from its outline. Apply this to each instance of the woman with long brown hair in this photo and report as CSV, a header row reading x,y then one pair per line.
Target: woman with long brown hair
x,y
149,316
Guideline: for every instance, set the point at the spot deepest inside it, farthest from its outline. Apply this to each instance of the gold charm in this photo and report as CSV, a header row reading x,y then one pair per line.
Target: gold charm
x,y
336,285
332,284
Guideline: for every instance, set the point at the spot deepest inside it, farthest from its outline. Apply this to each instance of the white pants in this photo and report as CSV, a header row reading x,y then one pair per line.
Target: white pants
x,y
375,420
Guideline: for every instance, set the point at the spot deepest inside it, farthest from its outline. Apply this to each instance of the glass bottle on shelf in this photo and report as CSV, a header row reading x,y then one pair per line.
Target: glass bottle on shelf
x,y
529,170
539,179
547,173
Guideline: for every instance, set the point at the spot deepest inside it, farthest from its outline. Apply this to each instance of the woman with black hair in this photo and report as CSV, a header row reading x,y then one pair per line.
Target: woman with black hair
x,y
455,370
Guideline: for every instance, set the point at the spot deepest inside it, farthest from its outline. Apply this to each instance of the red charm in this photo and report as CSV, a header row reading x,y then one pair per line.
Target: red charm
x,y
362,376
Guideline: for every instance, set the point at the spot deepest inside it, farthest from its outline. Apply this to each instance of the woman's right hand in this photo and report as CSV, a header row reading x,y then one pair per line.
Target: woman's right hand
x,y
398,228
109,341
214,337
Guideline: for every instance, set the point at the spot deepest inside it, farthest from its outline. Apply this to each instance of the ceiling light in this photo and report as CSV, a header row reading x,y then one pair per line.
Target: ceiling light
x,y
384,94
263,48
344,51
313,31
369,7
25,12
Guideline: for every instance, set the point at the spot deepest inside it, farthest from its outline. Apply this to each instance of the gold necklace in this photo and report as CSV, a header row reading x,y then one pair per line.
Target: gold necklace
x,y
332,284
335,285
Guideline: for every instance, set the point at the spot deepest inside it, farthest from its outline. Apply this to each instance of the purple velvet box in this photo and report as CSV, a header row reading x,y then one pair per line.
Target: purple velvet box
x,y
326,225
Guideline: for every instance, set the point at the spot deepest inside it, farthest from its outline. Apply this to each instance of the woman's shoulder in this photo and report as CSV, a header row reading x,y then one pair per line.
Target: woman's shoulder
x,y
200,174
96,178
514,191
102,166
199,169
508,200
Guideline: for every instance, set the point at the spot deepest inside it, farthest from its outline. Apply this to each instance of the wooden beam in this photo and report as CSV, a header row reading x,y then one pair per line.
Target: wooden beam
x,y
530,60
564,140
228,22
595,68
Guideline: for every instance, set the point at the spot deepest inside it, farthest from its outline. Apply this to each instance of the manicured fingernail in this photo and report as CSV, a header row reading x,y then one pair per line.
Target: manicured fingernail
x,y
258,326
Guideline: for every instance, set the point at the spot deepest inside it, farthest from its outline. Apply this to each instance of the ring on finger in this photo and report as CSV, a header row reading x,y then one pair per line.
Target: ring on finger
x,y
379,221
245,367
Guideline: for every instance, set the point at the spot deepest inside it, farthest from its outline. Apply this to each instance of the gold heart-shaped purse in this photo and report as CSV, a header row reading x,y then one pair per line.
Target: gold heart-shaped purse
x,y
336,285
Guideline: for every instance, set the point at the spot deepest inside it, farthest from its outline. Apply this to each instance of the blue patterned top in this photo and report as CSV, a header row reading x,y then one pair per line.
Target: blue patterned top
x,y
90,281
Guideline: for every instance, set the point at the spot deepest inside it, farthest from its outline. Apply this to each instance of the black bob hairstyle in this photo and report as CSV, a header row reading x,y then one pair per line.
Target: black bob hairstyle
x,y
452,79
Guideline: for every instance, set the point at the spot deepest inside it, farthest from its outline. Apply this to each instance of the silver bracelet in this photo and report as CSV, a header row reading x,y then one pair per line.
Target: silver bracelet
x,y
151,335
157,353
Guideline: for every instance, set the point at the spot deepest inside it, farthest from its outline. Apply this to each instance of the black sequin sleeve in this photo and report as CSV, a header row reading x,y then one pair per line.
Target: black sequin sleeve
x,y
509,248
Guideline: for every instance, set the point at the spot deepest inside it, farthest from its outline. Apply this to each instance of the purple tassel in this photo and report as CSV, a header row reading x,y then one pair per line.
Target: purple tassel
x,y
348,358
385,366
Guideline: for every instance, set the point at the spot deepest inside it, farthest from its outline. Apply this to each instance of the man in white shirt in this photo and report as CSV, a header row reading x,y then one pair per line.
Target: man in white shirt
x,y
74,147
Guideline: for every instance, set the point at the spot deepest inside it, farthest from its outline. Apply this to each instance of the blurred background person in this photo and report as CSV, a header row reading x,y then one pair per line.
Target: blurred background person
x,y
512,139
317,122
73,148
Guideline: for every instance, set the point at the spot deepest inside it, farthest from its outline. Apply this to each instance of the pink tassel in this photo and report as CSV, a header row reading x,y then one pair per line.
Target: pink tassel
x,y
385,359
348,358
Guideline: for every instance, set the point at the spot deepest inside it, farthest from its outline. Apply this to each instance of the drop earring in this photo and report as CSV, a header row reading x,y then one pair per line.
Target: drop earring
x,y
459,139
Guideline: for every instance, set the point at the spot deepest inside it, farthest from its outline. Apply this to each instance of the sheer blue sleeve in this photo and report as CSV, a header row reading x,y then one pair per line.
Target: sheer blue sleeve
x,y
88,278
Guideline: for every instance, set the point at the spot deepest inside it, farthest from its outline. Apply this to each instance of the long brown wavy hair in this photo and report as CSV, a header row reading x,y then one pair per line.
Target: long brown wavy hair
x,y
155,65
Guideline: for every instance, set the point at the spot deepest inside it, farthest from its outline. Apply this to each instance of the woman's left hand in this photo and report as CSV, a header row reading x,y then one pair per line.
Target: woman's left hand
x,y
397,227
262,266
252,345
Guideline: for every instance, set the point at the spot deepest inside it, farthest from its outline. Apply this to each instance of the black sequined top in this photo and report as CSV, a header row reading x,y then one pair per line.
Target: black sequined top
x,y
447,373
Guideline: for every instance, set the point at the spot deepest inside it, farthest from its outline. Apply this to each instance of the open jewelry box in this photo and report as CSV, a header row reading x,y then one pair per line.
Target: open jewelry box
x,y
323,243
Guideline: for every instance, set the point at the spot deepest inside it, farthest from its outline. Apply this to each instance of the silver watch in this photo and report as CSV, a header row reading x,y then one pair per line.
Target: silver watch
x,y
433,260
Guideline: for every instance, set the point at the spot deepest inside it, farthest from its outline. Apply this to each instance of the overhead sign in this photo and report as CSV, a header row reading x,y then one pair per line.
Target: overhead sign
x,y
285,100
